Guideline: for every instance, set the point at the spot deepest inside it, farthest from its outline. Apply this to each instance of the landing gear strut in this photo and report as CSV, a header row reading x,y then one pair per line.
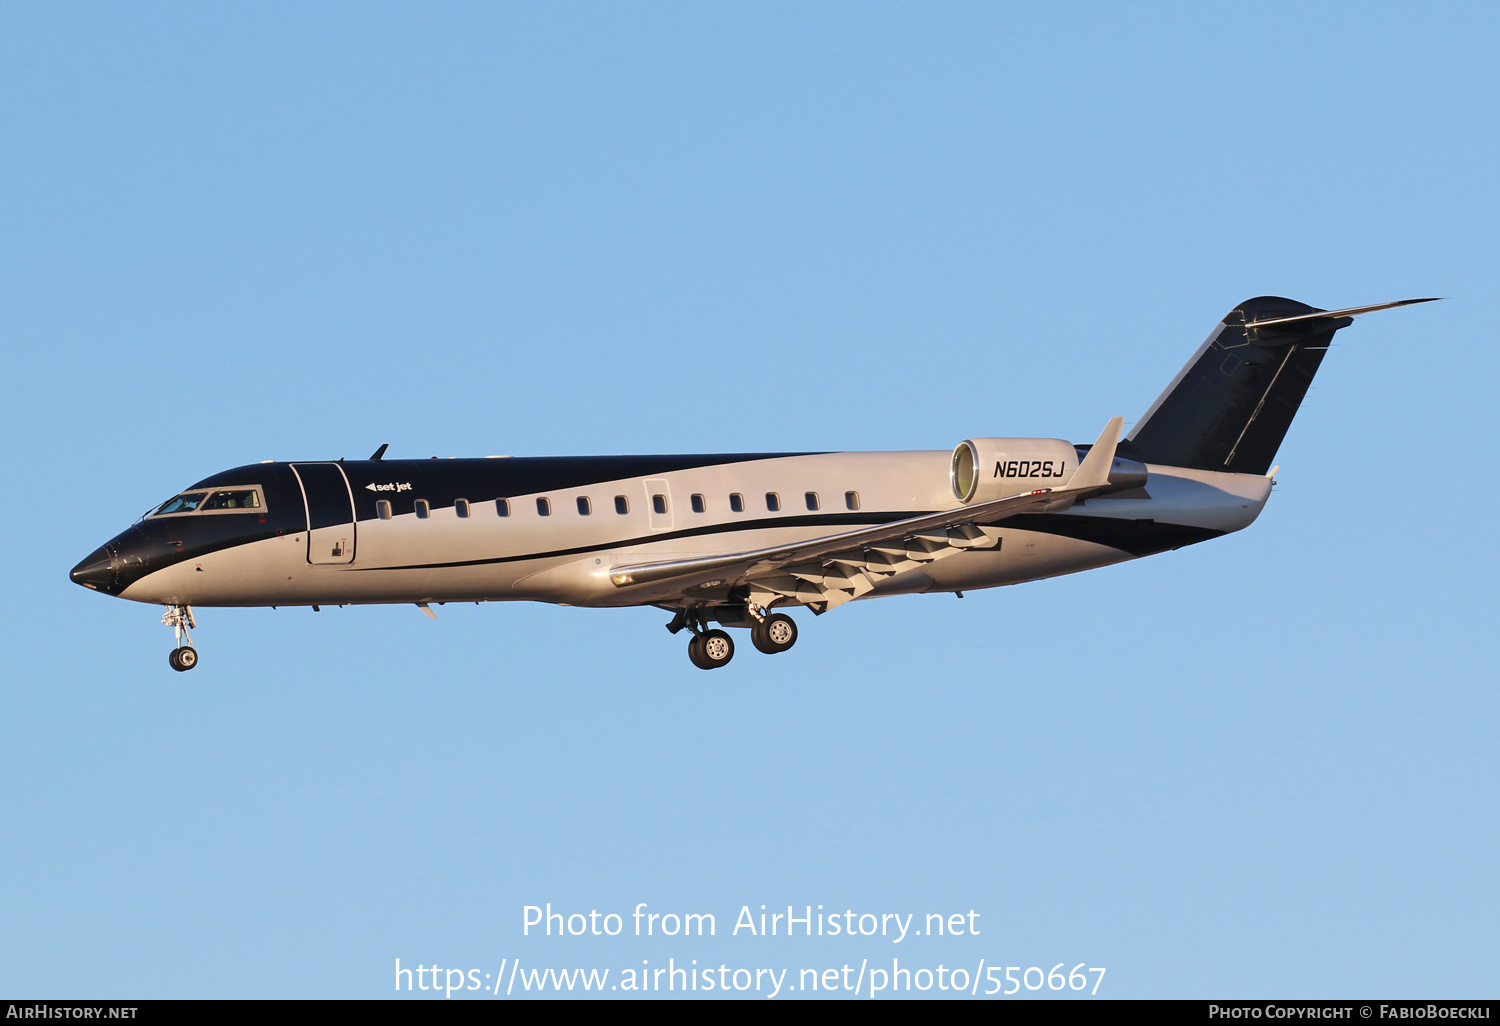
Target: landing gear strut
x,y
180,619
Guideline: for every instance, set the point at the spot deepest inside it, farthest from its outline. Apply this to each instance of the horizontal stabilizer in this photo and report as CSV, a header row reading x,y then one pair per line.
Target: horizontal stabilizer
x,y
1326,315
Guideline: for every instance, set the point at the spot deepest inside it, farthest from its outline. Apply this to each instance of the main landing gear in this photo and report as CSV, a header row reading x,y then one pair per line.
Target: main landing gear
x,y
776,633
711,648
184,656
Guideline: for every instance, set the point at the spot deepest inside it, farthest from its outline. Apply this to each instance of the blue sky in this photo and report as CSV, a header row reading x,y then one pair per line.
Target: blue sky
x,y
1263,766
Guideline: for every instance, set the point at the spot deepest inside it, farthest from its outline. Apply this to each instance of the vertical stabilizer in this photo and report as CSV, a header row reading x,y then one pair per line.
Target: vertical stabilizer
x,y
1230,407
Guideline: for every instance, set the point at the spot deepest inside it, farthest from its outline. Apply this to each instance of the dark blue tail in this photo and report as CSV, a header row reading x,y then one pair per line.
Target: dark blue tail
x,y
1230,407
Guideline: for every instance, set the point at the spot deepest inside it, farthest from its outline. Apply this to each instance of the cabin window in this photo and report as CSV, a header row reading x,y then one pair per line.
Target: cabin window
x,y
851,500
773,502
423,509
622,505
502,507
240,498
461,507
185,503
812,500
699,505
584,506
544,507
737,502
659,503
383,509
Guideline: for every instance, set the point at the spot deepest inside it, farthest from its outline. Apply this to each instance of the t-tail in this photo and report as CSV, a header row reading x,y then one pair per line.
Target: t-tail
x,y
1230,407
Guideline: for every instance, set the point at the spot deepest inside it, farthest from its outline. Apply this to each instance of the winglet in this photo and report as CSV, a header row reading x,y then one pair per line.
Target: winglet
x,y
1093,472
379,454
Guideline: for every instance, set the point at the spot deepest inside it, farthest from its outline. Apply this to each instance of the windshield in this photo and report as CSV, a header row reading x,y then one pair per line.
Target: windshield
x,y
187,502
239,498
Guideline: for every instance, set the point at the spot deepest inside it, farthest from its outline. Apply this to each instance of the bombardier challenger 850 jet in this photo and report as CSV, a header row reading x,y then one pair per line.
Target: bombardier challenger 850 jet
x,y
729,539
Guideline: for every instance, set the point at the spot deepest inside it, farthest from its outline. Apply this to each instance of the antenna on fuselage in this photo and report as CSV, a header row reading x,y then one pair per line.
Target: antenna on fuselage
x,y
379,453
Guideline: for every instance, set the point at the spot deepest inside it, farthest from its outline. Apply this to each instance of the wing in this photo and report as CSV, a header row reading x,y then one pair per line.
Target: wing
x,y
827,572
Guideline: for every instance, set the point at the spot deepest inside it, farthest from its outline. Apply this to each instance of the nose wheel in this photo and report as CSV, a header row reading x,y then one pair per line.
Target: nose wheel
x,y
180,619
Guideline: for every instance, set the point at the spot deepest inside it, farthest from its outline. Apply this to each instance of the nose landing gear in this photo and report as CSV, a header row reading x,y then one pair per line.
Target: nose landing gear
x,y
180,619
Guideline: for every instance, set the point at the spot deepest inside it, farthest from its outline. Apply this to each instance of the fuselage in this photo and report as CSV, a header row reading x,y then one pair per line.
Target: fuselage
x,y
551,529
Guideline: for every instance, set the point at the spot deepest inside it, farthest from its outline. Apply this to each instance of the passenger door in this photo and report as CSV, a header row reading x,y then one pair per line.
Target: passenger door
x,y
330,512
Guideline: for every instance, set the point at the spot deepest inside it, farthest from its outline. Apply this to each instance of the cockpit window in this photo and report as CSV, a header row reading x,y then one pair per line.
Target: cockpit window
x,y
245,498
187,502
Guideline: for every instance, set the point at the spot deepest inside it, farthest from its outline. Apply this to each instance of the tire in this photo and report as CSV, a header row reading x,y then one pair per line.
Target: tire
x,y
715,648
695,653
183,658
776,633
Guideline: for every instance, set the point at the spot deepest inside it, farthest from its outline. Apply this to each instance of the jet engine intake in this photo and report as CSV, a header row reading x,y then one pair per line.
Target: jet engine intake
x,y
992,468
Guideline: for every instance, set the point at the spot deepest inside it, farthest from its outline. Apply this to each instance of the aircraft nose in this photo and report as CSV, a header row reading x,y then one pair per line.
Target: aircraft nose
x,y
96,571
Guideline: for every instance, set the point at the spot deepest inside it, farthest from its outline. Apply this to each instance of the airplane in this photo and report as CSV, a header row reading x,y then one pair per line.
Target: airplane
x,y
732,539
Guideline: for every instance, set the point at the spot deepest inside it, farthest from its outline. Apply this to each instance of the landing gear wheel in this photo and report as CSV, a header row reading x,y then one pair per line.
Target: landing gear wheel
x,y
695,653
180,618
776,633
711,650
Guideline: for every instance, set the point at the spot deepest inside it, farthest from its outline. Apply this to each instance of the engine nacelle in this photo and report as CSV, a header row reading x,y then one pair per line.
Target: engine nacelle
x,y
992,468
